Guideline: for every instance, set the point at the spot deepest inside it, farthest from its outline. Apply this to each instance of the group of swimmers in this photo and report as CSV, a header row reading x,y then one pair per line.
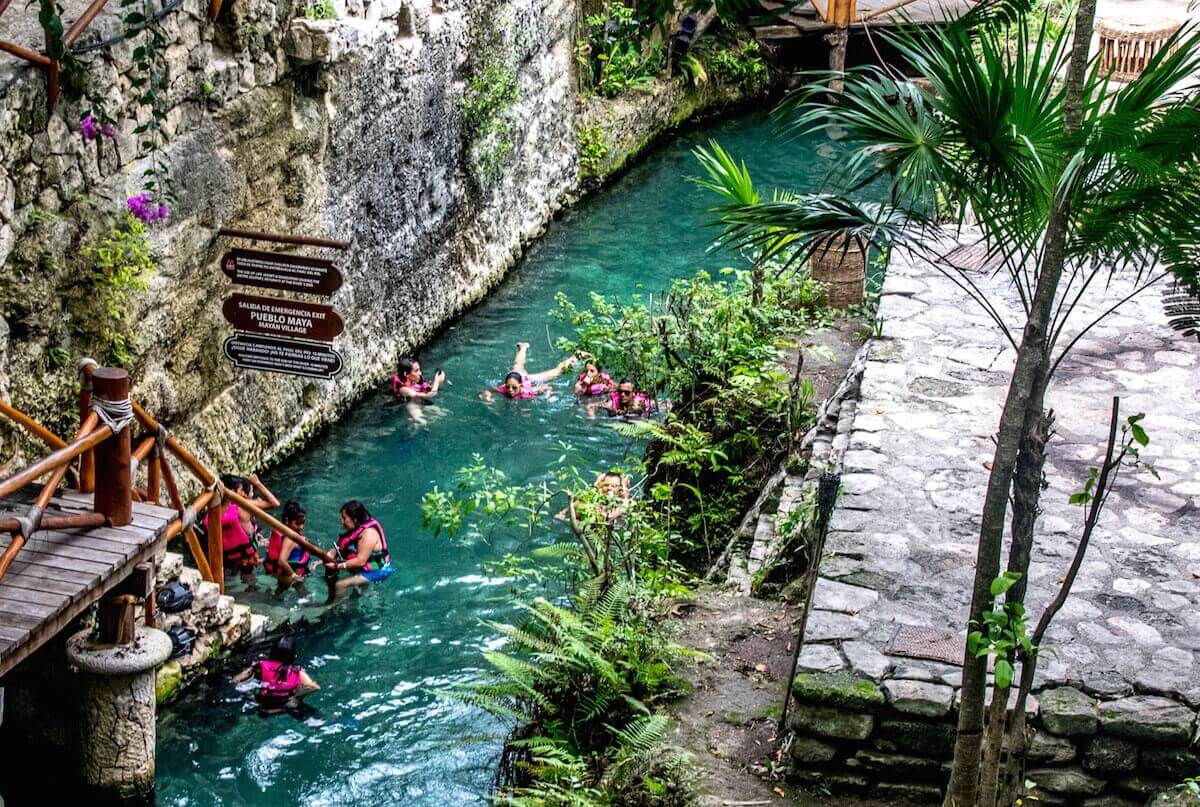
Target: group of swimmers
x,y
593,385
361,549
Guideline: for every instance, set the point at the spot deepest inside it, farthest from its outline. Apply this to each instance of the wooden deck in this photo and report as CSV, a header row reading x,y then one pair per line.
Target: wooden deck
x,y
804,20
58,574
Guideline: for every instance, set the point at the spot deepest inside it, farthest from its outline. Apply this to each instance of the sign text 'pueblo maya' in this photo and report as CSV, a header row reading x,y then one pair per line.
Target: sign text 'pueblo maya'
x,y
253,352
273,316
282,272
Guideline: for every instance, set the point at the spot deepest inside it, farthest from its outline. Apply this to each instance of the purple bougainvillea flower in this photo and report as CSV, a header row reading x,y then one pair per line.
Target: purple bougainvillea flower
x,y
144,210
109,131
89,128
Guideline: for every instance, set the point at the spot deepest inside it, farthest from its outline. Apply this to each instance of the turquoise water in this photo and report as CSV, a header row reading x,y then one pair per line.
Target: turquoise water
x,y
378,736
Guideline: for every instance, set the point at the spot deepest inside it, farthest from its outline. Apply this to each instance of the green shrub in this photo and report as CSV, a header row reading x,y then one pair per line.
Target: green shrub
x,y
592,150
320,10
487,122
616,56
738,65
121,263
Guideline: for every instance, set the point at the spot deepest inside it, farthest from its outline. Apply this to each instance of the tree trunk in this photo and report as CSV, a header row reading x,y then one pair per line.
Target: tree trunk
x,y
995,747
837,58
1031,369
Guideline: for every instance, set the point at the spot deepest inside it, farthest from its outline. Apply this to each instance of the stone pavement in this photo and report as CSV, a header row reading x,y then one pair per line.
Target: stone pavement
x,y
914,477
902,543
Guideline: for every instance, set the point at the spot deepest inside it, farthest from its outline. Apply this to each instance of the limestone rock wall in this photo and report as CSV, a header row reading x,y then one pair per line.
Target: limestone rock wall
x,y
350,128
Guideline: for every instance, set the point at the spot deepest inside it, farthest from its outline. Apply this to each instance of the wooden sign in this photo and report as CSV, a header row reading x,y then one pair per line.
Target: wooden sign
x,y
254,352
277,270
278,317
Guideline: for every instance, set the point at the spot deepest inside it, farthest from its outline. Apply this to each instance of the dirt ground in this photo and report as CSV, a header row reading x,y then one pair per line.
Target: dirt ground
x,y
728,721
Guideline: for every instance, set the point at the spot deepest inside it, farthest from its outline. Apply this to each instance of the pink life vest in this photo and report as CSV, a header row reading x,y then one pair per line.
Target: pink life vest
x,y
527,389
398,386
638,398
348,546
277,682
596,387
234,540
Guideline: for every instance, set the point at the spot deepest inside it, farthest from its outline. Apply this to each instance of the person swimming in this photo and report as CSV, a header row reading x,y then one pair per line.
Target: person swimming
x,y
625,401
362,547
521,384
286,561
239,533
282,683
613,498
593,381
408,384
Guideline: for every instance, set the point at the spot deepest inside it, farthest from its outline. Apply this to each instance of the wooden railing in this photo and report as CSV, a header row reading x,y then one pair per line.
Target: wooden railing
x,y
106,464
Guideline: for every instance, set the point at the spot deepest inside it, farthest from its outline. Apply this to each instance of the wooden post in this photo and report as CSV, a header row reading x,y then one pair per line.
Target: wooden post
x,y
87,460
216,550
114,483
154,476
117,619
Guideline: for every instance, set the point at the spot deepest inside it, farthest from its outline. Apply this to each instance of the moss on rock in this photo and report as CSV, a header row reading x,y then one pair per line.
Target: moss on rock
x,y
837,689
167,682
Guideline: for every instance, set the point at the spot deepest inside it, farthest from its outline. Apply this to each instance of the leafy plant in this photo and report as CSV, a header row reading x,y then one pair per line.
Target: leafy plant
x,y
320,10
487,121
616,55
588,680
592,150
122,263
739,64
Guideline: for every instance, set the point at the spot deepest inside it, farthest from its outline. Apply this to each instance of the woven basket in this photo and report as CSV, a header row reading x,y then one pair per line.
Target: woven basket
x,y
1127,46
842,267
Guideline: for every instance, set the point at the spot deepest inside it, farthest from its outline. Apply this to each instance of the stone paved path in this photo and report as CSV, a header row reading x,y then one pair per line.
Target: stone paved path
x,y
914,478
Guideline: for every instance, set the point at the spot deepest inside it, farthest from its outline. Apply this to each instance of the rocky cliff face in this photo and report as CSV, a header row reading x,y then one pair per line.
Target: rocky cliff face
x,y
352,128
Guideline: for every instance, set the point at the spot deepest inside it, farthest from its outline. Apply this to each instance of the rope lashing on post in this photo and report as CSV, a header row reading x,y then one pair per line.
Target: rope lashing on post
x,y
163,435
84,363
117,415
187,519
218,491
30,521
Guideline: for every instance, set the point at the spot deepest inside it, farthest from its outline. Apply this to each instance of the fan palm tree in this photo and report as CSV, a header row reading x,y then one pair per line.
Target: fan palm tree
x,y
1069,180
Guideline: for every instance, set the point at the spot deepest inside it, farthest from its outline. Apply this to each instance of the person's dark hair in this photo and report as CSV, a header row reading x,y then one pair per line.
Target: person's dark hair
x,y
405,365
629,381
234,482
284,652
357,512
293,511
514,374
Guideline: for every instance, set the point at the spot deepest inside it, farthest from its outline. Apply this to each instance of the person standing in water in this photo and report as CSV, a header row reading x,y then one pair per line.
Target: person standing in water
x,y
362,548
593,381
286,561
409,386
521,384
281,681
238,530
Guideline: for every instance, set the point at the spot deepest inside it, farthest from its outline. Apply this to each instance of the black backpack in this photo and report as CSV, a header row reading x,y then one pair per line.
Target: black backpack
x,y
174,597
183,640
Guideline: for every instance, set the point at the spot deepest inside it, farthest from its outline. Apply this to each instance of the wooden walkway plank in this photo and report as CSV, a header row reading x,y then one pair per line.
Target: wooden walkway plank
x,y
23,570
78,545
60,573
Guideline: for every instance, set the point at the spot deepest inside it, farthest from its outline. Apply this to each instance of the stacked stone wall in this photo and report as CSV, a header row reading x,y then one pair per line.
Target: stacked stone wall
x,y
893,738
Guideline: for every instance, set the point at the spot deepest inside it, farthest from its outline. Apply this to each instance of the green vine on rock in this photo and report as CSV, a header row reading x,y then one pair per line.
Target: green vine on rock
x,y
487,122
151,82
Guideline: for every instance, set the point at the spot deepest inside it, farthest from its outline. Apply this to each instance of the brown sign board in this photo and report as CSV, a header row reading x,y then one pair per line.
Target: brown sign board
x,y
293,357
280,271
278,317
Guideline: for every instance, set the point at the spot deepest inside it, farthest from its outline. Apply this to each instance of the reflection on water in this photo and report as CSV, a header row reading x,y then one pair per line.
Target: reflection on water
x,y
376,735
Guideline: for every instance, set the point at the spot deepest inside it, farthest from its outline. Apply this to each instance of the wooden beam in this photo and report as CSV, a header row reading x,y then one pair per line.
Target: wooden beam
x,y
302,240
24,53
80,25
32,426
58,458
87,460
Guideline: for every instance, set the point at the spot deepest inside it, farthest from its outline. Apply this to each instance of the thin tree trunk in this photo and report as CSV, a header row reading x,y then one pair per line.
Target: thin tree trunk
x,y
1031,369
1027,489
1014,779
995,746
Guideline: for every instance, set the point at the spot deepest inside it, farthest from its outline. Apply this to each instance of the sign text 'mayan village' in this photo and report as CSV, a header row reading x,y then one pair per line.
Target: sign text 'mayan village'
x,y
279,317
